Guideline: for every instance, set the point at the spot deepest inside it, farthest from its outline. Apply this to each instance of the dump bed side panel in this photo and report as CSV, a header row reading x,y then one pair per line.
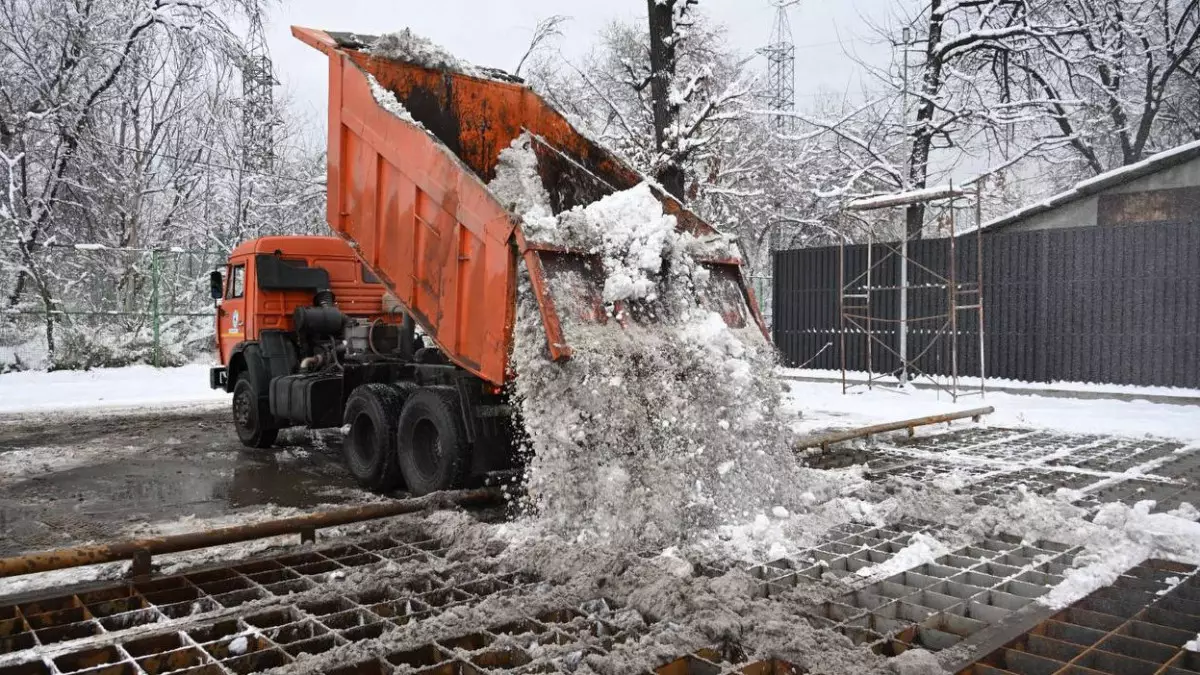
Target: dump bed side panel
x,y
423,223
478,118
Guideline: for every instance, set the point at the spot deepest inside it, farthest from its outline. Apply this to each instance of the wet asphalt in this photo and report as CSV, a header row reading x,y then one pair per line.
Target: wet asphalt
x,y
73,480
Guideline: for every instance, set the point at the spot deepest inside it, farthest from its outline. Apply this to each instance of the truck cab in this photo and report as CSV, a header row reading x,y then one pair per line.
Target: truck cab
x,y
308,336
266,279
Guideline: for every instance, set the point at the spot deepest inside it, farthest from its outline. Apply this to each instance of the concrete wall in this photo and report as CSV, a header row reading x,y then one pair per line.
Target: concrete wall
x,y
1083,212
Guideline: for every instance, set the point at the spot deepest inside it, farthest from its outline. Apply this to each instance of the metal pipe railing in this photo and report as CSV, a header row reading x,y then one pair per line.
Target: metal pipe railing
x,y
825,440
140,550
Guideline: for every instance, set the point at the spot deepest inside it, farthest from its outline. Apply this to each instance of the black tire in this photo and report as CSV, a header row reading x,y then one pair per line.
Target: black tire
x,y
252,416
372,412
434,451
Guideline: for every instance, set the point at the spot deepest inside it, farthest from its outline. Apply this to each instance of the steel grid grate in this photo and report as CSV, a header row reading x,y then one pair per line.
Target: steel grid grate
x,y
124,606
714,662
993,464
935,605
256,615
1137,626
285,608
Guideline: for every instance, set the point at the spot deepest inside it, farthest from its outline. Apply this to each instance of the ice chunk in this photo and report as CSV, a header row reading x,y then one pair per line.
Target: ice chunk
x,y
239,645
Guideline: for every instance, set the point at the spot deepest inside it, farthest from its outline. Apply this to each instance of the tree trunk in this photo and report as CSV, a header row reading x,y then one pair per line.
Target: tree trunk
x,y
662,66
922,134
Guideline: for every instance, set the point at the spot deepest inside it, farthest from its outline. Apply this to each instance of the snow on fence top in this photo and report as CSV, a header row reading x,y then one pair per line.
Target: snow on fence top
x,y
1090,186
905,198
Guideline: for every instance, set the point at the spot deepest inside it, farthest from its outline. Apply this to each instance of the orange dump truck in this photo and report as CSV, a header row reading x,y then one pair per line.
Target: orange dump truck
x,y
307,333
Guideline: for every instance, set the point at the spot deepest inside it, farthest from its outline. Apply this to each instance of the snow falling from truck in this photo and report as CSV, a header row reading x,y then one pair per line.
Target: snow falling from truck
x,y
657,432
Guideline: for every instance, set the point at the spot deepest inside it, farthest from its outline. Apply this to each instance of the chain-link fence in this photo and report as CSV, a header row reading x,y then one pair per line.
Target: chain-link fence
x,y
92,306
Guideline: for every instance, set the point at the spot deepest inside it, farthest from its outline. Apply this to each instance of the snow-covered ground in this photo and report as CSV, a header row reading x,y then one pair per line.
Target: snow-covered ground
x,y
131,387
992,383
822,405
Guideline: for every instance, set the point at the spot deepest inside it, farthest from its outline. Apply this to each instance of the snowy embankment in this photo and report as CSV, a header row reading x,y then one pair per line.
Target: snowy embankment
x,y
822,405
139,387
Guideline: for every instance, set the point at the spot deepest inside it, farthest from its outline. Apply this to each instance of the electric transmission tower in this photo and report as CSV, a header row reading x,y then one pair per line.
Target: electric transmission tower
x,y
781,67
259,117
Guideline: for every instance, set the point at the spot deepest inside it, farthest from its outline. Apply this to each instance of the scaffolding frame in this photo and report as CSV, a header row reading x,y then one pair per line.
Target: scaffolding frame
x,y
856,310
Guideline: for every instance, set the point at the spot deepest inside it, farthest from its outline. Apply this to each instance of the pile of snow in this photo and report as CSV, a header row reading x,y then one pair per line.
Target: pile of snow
x,y
635,237
409,47
656,431
819,406
922,549
133,386
1121,536
628,229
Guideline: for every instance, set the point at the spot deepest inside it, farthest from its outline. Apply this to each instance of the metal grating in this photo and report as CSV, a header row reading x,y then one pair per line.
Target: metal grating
x,y
271,612
937,605
714,662
118,608
991,464
1137,626
289,609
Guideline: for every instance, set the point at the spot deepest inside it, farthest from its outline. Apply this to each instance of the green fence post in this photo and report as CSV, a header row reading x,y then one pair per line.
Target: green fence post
x,y
154,304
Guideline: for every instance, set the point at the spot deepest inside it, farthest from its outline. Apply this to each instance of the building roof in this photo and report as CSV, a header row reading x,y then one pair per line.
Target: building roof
x,y
1153,164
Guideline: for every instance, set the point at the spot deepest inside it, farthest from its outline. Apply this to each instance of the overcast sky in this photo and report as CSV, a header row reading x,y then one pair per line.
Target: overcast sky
x,y
496,33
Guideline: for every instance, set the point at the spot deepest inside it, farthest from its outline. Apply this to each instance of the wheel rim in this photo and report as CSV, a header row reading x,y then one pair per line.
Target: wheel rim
x,y
427,448
362,438
243,414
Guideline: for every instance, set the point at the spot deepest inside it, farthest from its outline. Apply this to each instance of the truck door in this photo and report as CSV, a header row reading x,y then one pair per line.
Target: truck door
x,y
231,318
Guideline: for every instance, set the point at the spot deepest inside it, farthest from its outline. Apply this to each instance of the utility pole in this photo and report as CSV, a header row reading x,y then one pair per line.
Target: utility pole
x,y
902,326
781,69
259,117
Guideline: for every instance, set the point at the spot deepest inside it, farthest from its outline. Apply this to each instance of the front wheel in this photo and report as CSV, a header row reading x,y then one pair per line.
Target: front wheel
x,y
251,417
434,451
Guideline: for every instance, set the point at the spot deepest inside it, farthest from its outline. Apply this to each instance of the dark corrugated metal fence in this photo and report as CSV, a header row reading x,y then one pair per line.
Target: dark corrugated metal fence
x,y
1098,304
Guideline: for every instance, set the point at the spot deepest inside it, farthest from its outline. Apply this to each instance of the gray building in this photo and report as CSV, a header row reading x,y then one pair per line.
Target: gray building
x,y
1164,188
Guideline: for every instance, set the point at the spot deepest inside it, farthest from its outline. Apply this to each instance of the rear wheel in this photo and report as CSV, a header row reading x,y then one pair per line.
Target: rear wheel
x,y
252,416
370,448
434,451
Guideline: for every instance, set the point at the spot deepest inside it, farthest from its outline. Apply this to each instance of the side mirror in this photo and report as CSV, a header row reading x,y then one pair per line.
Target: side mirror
x,y
216,285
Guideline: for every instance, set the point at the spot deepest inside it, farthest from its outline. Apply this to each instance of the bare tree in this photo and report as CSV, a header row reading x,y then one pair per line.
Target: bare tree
x,y
1115,80
611,94
119,130
544,33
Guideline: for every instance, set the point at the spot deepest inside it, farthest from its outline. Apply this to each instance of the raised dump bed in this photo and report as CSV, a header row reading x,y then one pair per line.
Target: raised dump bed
x,y
412,196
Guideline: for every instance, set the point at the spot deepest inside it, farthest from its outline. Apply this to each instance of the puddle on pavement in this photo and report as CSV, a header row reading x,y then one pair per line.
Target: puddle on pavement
x,y
91,500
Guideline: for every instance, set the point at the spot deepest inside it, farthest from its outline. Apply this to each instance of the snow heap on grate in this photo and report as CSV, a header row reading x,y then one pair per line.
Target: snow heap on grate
x,y
658,431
